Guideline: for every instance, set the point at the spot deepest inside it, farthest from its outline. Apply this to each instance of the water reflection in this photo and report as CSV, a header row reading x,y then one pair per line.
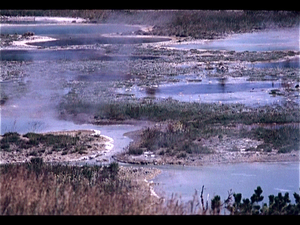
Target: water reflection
x,y
224,89
89,40
222,81
289,63
69,54
101,77
55,30
268,40
151,91
219,179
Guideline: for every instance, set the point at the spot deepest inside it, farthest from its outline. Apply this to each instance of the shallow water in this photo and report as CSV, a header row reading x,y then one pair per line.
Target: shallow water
x,y
270,40
219,179
55,30
73,34
229,90
70,54
96,39
32,109
290,63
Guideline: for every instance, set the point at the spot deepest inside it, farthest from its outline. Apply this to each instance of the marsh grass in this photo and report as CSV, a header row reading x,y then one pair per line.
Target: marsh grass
x,y
187,112
57,141
169,142
199,120
13,140
284,139
36,188
195,114
211,24
8,139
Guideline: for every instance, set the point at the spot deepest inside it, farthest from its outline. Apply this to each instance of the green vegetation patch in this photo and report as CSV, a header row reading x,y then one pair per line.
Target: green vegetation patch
x,y
8,139
211,24
38,142
168,142
186,112
56,141
284,139
189,121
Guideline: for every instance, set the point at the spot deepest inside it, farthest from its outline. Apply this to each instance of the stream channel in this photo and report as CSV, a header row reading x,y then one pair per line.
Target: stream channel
x,y
32,109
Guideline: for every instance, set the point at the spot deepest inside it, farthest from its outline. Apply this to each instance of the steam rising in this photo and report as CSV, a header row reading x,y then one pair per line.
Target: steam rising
x,y
51,75
34,104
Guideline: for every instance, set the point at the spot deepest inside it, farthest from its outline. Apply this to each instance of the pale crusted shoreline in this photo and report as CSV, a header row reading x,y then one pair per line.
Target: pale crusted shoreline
x,y
23,43
34,39
140,177
210,159
47,19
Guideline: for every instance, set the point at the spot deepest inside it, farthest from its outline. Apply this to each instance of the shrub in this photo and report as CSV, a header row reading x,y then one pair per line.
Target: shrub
x,y
5,147
57,141
264,147
64,153
9,138
288,148
36,161
284,138
135,150
182,155
162,152
216,204
33,153
176,141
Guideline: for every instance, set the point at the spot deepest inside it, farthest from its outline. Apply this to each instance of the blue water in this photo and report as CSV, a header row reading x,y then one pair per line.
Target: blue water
x,y
289,63
55,30
229,90
219,179
270,40
65,54
28,114
70,35
204,88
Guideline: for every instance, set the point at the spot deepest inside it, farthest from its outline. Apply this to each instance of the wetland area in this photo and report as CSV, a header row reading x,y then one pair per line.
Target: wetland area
x,y
172,113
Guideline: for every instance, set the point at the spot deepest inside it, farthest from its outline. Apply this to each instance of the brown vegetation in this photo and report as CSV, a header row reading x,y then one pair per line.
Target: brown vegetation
x,y
40,189
36,188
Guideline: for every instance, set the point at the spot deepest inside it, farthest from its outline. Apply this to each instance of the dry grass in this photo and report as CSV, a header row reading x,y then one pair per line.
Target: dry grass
x,y
28,189
41,189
